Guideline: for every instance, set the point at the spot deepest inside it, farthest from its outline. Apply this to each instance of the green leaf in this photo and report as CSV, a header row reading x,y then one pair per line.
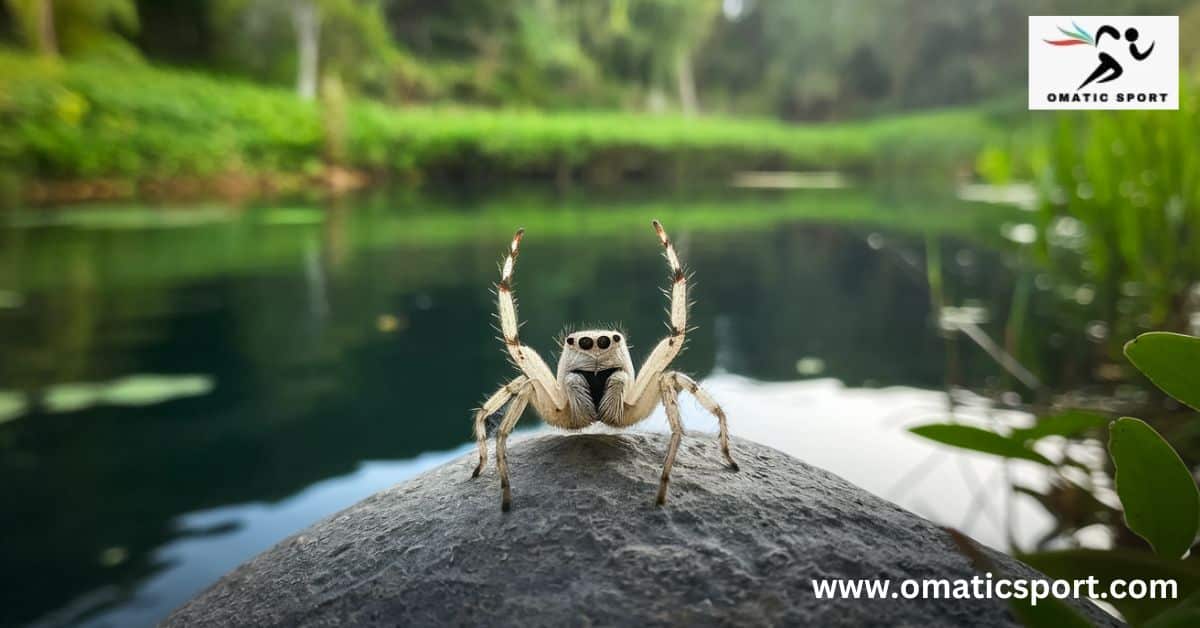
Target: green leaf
x,y
1066,423
1158,494
977,439
1048,613
1185,615
1109,565
1171,361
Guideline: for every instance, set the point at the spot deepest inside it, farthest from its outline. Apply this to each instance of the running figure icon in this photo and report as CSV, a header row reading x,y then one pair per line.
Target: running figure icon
x,y
1109,68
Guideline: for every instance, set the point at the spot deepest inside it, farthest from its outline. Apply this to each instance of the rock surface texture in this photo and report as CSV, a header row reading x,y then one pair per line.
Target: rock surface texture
x,y
584,545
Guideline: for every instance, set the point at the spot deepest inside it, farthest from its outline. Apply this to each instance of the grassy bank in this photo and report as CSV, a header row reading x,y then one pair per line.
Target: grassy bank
x,y
127,126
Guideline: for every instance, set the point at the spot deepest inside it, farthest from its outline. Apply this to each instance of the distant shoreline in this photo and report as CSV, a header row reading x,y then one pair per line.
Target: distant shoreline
x,y
78,131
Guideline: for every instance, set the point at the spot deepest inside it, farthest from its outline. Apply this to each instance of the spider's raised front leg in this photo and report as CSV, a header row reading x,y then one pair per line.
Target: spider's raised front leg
x,y
683,382
490,407
526,359
669,347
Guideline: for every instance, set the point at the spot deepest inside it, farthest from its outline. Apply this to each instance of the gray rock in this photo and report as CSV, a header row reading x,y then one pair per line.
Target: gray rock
x,y
584,545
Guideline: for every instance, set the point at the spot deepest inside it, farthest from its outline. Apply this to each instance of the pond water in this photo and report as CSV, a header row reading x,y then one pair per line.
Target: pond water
x,y
182,387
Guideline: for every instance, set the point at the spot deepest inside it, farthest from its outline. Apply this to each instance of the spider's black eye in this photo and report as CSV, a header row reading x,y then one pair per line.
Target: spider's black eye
x,y
603,342
570,341
585,343
616,337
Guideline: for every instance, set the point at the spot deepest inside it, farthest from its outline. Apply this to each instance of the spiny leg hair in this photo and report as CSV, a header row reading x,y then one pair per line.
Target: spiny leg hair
x,y
670,401
525,358
669,347
670,385
538,383
490,407
683,382
511,416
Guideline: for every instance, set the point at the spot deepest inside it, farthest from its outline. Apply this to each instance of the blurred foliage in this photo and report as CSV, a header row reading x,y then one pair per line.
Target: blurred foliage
x,y
1130,181
1157,491
92,119
257,37
814,60
981,440
1107,566
754,60
1119,213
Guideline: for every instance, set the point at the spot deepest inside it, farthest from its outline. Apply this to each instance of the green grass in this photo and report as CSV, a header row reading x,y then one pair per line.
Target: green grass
x,y
1120,209
78,120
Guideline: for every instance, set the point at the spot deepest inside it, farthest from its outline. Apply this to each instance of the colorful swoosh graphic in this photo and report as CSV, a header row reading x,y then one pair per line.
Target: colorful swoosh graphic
x,y
1077,37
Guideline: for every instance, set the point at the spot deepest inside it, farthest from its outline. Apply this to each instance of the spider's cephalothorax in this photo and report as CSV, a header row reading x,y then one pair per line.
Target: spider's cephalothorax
x,y
594,370
596,381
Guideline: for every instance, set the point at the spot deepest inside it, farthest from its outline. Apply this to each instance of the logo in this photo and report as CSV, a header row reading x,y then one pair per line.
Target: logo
x,y
1098,62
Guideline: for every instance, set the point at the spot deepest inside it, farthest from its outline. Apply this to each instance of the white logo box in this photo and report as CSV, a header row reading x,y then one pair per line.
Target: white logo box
x,y
1057,70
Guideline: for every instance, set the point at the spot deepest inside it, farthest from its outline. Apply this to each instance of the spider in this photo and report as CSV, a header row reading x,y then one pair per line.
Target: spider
x,y
595,380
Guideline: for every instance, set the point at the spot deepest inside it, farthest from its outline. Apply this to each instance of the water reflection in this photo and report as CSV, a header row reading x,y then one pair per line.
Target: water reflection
x,y
142,389
212,542
362,332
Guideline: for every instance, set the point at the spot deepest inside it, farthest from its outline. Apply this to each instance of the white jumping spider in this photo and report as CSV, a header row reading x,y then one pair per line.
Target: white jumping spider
x,y
595,380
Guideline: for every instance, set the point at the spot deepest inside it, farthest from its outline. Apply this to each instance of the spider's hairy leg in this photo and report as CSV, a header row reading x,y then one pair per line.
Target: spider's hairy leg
x,y
683,382
508,310
526,359
670,399
490,407
511,416
669,347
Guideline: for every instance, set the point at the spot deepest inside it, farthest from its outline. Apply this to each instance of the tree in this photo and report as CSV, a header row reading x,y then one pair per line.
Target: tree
x,y
694,21
302,40
35,20
76,26
307,21
664,37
